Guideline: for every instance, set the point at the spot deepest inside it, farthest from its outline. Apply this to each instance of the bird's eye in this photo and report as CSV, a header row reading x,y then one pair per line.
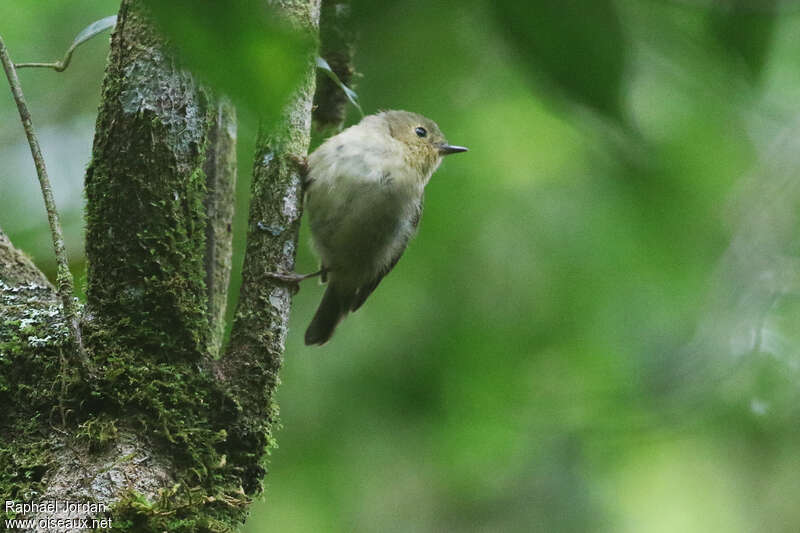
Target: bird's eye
x,y
421,132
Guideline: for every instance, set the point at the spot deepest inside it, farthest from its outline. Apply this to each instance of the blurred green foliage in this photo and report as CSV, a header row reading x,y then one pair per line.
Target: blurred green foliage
x,y
596,328
577,45
745,31
243,48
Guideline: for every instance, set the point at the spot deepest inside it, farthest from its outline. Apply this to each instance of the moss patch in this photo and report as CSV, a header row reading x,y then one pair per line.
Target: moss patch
x,y
35,386
175,510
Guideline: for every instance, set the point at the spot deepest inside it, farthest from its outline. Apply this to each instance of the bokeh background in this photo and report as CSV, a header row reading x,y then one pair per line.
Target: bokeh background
x,y
597,328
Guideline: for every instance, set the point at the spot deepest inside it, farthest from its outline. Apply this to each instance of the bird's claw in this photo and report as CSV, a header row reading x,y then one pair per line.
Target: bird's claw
x,y
292,279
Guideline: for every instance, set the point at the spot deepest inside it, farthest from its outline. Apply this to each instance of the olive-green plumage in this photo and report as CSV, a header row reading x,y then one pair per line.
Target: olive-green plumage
x,y
364,201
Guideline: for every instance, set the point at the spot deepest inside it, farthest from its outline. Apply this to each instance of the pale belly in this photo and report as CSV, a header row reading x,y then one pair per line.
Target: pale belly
x,y
360,230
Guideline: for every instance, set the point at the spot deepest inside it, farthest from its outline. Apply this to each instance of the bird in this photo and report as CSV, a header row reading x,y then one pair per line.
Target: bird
x,y
363,197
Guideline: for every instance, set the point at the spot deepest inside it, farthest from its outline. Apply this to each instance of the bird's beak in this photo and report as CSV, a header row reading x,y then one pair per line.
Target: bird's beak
x,y
447,149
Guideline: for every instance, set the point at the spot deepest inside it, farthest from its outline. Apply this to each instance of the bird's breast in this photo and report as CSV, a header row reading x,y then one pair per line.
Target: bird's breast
x,y
358,226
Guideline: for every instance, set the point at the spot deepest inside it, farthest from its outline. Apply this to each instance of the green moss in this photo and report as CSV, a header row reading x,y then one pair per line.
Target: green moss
x,y
148,279
98,432
23,463
177,510
34,386
147,331
147,326
167,400
146,288
179,410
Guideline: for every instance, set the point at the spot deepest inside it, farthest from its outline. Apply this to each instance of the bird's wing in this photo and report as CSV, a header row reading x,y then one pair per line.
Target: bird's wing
x,y
365,290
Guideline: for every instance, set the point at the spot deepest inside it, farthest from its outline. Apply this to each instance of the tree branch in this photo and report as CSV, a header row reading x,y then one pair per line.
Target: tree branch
x,y
146,189
64,276
255,352
16,268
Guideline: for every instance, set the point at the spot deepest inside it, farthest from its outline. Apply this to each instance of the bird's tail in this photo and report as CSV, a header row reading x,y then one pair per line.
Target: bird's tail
x,y
331,310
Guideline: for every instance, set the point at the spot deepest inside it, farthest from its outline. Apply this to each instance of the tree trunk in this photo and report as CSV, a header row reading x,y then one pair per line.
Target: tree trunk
x,y
169,436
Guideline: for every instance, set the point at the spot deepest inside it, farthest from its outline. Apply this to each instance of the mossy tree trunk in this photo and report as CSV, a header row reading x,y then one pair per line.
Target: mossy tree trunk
x,y
173,431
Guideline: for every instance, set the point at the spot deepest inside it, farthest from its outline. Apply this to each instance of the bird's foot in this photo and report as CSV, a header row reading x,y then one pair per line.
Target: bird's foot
x,y
293,278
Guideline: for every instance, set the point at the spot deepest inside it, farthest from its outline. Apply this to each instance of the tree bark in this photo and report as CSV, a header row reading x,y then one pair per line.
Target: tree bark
x,y
220,171
167,436
254,356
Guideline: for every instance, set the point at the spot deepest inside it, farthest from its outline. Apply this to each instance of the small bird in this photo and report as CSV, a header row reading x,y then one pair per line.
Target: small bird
x,y
364,192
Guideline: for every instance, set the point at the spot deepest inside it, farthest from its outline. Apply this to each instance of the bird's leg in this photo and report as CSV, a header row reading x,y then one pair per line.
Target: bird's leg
x,y
293,278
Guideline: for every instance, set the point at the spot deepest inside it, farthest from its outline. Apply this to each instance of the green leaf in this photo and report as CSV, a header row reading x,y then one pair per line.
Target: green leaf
x,y
745,32
87,33
93,29
350,93
577,45
244,49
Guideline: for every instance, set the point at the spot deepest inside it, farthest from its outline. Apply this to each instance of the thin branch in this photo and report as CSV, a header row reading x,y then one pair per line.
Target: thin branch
x,y
90,31
64,277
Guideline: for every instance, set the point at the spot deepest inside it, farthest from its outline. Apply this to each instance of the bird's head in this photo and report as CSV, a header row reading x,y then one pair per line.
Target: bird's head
x,y
424,141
